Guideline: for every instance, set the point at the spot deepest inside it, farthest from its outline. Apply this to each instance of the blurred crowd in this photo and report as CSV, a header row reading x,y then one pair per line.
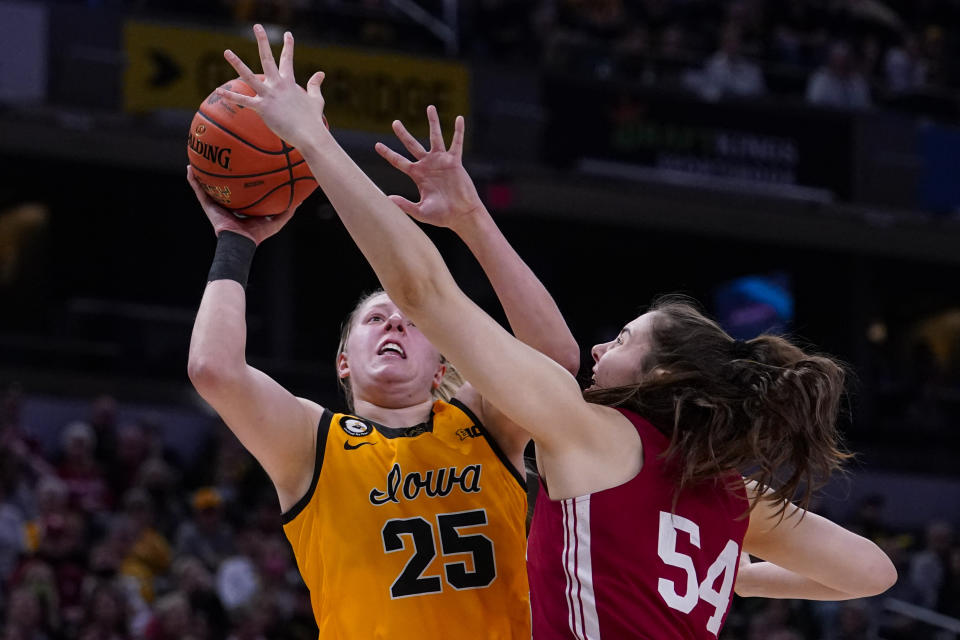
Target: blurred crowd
x,y
844,54
835,53
912,388
113,536
838,53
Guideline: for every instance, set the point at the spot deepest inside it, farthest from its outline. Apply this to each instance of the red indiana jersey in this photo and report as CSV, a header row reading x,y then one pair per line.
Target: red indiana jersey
x,y
625,563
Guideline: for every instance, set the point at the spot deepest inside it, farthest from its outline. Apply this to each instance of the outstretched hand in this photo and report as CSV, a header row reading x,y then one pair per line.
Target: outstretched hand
x,y
448,197
291,112
257,228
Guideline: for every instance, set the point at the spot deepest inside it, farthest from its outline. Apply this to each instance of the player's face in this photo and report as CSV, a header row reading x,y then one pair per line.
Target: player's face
x,y
617,363
385,349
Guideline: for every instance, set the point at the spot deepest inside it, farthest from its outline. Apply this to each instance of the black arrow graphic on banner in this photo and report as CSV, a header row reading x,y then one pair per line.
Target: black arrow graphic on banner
x,y
165,69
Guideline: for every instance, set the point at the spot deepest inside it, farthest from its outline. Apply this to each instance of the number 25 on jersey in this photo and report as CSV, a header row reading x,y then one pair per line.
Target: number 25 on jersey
x,y
685,598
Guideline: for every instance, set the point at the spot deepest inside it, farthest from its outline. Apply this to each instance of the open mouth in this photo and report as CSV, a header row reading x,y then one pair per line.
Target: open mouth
x,y
392,348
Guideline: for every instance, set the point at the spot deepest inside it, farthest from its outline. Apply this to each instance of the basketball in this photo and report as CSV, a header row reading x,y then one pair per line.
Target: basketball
x,y
240,162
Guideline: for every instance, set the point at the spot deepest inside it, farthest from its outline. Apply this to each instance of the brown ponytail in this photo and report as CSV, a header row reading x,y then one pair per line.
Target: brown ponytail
x,y
763,407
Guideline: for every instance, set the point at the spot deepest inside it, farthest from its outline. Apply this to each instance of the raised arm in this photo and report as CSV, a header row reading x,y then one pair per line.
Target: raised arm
x,y
448,198
530,388
276,427
809,557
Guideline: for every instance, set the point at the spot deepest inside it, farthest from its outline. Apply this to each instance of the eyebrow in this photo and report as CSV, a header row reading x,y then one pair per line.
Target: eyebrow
x,y
377,306
625,330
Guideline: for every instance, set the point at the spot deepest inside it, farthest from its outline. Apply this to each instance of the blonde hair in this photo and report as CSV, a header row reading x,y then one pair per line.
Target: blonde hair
x,y
449,384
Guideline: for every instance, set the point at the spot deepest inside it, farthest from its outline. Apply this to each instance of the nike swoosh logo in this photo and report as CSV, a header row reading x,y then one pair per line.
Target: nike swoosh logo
x,y
351,447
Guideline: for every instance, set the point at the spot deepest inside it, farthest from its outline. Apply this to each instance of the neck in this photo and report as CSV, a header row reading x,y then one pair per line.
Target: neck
x,y
398,417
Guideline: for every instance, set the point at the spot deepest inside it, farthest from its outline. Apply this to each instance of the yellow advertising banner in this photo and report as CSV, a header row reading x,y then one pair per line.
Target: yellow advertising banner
x,y
177,67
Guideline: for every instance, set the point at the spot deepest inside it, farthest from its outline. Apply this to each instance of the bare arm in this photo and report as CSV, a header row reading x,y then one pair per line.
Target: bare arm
x,y
767,580
276,427
448,198
408,265
810,557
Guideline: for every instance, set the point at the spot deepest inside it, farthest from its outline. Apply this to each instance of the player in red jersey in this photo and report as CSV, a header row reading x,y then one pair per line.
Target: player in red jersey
x,y
642,520
650,546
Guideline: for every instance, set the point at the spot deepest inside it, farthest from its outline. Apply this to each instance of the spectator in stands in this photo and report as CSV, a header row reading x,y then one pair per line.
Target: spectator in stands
x,y
728,73
904,66
673,45
251,622
172,619
195,581
854,622
943,69
238,582
12,519
24,620
206,535
62,549
80,470
839,83
159,480
52,496
106,617
35,591
500,28
133,448
928,568
103,420
275,565
587,35
149,554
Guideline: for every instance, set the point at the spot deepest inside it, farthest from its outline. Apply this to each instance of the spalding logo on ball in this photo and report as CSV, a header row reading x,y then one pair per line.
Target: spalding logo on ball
x,y
241,163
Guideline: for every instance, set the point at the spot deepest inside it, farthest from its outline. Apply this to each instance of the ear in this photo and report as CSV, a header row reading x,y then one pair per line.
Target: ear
x,y
438,376
343,367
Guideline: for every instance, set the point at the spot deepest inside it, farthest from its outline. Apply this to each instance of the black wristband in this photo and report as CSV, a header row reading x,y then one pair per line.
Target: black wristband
x,y
233,258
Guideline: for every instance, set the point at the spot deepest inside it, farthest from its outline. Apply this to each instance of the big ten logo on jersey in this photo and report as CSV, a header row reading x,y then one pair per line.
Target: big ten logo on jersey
x,y
472,432
725,565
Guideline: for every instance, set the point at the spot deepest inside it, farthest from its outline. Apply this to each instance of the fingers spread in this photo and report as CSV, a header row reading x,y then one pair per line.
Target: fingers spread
x,y
286,56
396,160
456,145
313,85
244,71
436,135
266,55
237,98
412,144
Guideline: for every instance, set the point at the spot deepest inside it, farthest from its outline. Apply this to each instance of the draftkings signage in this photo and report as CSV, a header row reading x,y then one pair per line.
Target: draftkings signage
x,y
739,141
177,67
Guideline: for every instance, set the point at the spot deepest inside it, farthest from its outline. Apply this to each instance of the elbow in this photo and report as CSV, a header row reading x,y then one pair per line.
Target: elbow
x,y
417,296
881,574
208,374
570,359
885,576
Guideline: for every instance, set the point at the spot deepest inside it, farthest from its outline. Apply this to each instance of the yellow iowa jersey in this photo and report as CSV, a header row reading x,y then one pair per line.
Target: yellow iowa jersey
x,y
413,533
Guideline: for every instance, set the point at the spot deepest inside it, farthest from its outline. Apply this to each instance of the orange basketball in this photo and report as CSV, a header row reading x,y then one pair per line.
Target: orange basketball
x,y
241,163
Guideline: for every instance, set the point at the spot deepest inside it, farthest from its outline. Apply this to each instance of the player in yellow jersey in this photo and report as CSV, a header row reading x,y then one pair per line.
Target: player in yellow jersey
x,y
406,515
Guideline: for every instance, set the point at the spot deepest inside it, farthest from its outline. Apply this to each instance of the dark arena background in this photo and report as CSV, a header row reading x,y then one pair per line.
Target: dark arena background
x,y
794,166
